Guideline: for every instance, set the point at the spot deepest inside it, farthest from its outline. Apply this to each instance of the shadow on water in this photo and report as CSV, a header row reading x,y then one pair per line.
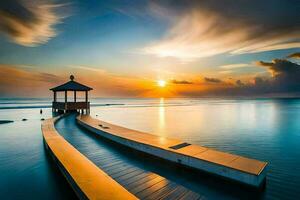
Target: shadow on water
x,y
58,177
202,183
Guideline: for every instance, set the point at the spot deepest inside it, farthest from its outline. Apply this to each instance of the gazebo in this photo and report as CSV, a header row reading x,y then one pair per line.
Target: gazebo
x,y
66,106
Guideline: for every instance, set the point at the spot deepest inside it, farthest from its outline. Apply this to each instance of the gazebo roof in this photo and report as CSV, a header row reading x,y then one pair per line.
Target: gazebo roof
x,y
71,86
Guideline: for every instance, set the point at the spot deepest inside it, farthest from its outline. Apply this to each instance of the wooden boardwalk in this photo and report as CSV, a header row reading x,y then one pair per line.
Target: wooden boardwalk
x,y
131,174
93,183
238,168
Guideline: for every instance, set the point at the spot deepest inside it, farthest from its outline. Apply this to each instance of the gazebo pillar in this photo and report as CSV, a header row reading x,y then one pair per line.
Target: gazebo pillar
x,y
66,96
66,100
87,110
74,95
54,100
54,96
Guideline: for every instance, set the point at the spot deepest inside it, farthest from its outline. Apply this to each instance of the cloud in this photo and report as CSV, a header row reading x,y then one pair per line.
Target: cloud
x,y
294,55
281,67
234,66
283,81
285,75
212,80
206,28
239,83
110,84
29,22
10,73
20,81
86,68
182,82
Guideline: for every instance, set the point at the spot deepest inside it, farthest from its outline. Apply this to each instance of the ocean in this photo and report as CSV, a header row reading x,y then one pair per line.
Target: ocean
x,y
263,129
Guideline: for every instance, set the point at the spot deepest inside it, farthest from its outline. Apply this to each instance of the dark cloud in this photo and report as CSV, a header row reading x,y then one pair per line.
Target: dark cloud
x,y
281,68
212,80
182,82
239,83
285,75
17,9
294,55
29,22
283,82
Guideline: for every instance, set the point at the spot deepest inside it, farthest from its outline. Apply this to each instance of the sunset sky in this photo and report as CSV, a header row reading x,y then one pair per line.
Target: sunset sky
x,y
126,48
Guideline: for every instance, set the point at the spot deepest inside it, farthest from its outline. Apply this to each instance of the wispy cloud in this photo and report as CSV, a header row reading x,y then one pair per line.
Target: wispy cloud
x,y
29,81
182,82
30,22
83,67
23,81
207,28
234,66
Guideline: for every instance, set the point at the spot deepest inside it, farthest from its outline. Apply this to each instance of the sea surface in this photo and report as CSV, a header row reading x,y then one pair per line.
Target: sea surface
x,y
263,129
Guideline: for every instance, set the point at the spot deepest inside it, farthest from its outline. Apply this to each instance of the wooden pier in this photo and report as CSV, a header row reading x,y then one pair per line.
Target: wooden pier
x,y
139,178
98,169
87,180
244,170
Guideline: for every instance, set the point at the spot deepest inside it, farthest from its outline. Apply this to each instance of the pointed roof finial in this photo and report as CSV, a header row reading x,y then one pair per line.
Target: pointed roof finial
x,y
72,77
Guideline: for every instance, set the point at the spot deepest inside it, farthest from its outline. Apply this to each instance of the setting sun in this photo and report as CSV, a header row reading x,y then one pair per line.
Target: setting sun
x,y
161,83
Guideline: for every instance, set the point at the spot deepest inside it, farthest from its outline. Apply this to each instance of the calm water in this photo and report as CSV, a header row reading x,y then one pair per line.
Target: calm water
x,y
267,129
26,171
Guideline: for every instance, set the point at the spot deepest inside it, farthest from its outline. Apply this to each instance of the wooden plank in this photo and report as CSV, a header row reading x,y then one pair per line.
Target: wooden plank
x,y
176,194
141,181
145,185
113,166
135,178
130,175
129,172
94,155
118,169
142,194
99,161
123,172
110,164
105,159
190,195
162,191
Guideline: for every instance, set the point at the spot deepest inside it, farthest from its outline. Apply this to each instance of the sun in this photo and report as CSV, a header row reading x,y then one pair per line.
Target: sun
x,y
161,83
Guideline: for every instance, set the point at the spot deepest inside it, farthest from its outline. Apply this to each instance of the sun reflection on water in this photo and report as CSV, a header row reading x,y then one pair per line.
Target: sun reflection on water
x,y
161,116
